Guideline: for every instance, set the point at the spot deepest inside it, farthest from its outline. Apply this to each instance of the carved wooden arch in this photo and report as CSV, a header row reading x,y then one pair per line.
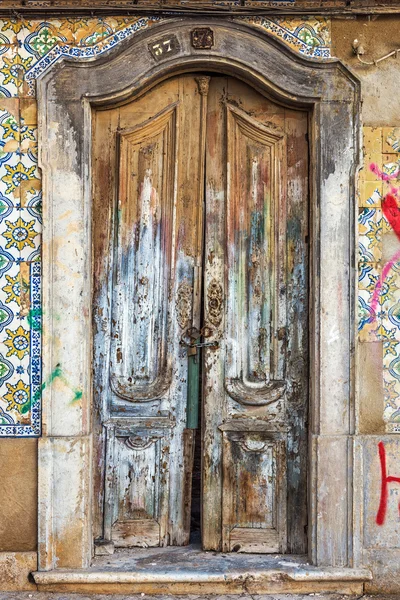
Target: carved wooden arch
x,y
65,95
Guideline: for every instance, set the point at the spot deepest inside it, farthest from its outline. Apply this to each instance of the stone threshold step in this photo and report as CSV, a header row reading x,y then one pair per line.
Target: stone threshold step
x,y
287,580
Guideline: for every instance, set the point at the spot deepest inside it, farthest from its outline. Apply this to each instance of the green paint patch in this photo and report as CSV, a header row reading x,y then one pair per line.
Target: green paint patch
x,y
57,374
77,396
34,319
25,408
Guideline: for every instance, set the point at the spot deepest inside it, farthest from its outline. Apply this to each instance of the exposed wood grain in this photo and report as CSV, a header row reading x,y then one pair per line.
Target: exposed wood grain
x,y
254,493
145,533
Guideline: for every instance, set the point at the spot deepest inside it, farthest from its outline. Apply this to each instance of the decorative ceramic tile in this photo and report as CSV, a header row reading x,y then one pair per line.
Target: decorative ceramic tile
x,y
391,348
370,235
372,140
366,270
391,387
370,194
368,319
20,234
95,45
20,361
37,38
308,36
391,166
390,139
19,170
11,71
89,32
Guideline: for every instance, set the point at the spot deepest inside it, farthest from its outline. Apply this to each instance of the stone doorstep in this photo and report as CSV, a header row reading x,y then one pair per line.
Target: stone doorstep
x,y
192,581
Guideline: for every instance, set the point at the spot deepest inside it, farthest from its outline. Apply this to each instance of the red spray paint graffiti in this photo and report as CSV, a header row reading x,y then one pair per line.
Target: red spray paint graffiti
x,y
391,211
386,479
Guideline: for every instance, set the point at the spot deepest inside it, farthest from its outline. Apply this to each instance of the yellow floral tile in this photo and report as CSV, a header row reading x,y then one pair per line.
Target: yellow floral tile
x,y
391,389
370,193
390,139
368,319
10,72
116,23
28,110
89,32
372,140
368,276
21,234
370,235
14,24
370,159
390,165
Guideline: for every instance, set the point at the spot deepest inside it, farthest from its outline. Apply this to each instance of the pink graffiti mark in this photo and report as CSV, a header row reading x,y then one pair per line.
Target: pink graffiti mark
x,y
384,176
385,271
392,213
386,479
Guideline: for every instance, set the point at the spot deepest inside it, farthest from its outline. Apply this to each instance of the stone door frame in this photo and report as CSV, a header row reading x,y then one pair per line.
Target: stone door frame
x,y
65,95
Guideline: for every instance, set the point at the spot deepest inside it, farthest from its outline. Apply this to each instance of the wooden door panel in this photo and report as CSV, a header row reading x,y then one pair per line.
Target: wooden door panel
x,y
255,381
146,266
256,176
137,494
140,369
254,492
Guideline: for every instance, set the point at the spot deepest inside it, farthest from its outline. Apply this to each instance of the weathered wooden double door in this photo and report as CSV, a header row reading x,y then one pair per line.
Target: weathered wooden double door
x,y
200,204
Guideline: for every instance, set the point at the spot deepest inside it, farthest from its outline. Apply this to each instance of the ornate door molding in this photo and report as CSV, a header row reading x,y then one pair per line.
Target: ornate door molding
x,y
66,94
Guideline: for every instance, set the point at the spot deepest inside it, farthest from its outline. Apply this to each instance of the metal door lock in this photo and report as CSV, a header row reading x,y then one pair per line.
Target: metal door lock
x,y
194,336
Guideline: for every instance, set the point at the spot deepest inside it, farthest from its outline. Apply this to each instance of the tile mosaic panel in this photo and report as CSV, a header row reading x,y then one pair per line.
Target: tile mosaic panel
x,y
27,49
310,36
379,259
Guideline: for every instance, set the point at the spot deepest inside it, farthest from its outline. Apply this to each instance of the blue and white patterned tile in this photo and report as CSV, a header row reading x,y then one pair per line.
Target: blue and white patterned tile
x,y
77,49
20,389
20,168
368,319
38,37
368,276
21,234
308,36
11,72
370,235
391,390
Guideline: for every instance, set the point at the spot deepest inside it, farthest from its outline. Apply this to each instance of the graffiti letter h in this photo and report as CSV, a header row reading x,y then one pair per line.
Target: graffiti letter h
x,y
381,514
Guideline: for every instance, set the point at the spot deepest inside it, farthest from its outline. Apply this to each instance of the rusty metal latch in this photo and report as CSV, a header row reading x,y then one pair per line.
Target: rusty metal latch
x,y
194,336
190,339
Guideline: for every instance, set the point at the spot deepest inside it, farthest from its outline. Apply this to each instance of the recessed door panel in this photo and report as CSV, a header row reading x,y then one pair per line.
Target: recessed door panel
x,y
139,366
